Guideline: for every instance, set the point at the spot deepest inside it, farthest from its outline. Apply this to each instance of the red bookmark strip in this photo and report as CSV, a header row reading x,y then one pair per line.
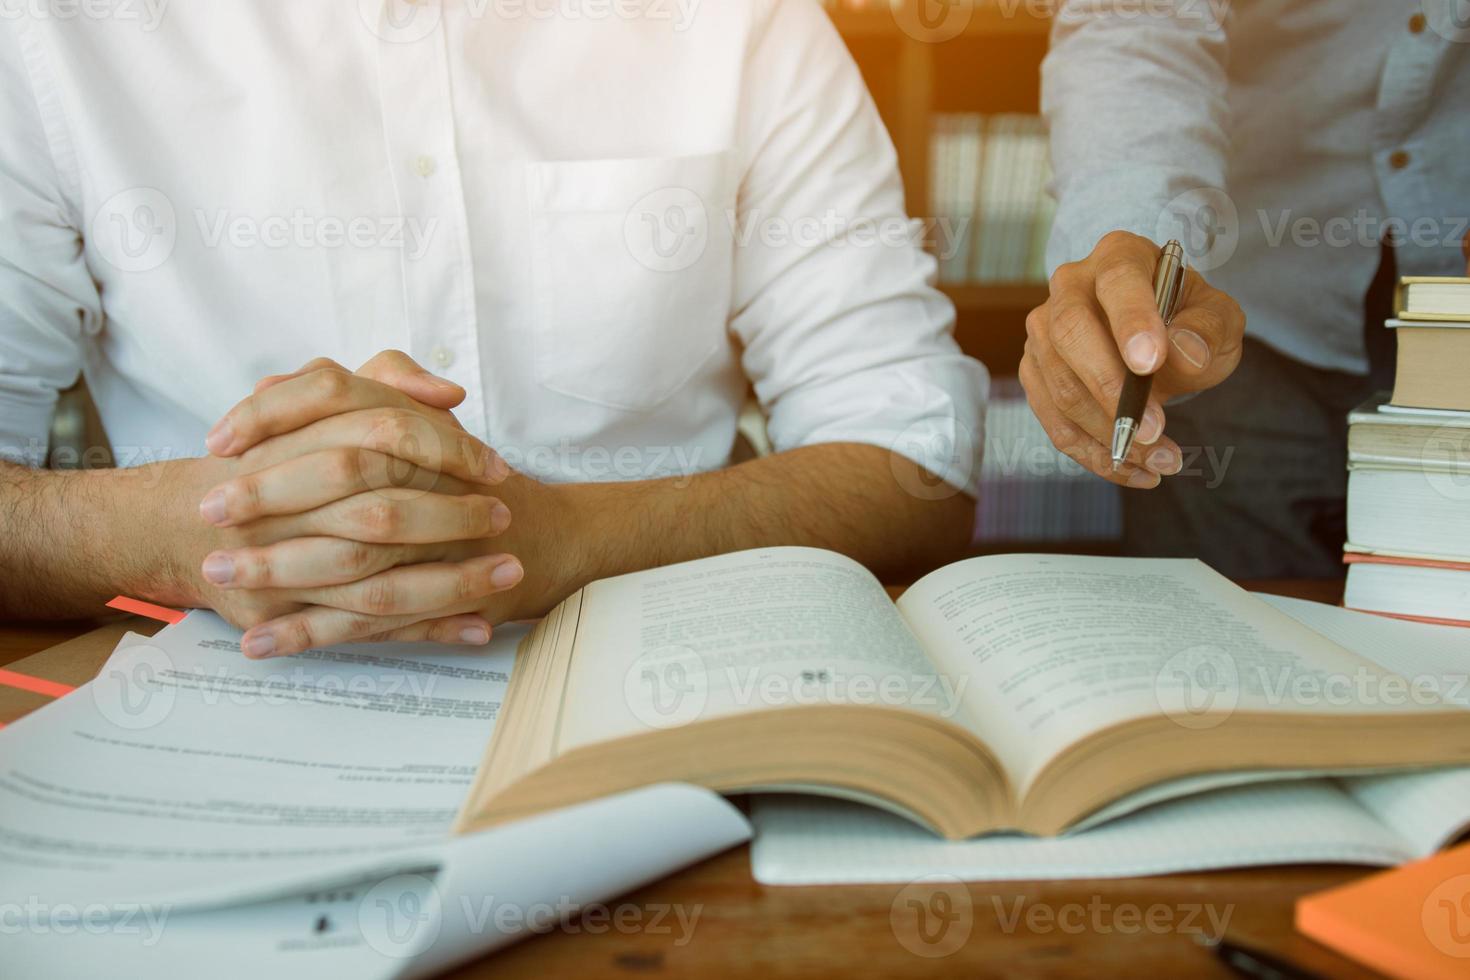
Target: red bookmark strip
x,y
140,608
25,682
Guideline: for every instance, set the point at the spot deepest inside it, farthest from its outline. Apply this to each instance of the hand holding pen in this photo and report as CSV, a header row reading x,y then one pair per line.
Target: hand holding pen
x,y
1100,323
1133,401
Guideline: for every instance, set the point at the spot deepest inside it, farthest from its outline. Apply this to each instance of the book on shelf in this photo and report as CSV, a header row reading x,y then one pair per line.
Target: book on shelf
x,y
1433,327
1416,587
1012,692
988,178
1433,298
1417,510
1408,512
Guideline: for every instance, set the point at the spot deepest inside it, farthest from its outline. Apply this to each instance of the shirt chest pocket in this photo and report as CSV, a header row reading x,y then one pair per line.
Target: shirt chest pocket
x,y
631,268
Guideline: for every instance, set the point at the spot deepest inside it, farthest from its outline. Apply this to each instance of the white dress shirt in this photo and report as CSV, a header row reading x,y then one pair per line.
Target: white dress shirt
x,y
1281,144
603,218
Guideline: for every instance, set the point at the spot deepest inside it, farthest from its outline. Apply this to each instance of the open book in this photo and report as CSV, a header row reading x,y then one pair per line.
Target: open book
x,y
1024,692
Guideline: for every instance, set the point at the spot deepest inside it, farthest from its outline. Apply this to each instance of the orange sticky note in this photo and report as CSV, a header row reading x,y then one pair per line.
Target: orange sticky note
x,y
140,608
36,685
1412,922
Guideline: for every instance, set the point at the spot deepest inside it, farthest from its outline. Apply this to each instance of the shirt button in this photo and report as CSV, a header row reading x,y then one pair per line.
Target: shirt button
x,y
442,356
1417,23
1398,159
423,166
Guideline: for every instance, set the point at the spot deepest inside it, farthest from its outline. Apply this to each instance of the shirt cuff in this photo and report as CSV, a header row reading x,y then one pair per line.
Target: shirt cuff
x,y
931,412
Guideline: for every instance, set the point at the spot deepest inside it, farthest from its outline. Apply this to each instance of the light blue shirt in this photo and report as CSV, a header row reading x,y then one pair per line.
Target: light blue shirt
x,y
1280,140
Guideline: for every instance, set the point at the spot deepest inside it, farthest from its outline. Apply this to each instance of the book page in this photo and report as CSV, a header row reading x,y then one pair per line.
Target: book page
x,y
1429,808
751,631
1057,647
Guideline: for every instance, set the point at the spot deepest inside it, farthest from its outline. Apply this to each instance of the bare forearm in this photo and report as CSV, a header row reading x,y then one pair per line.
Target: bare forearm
x,y
71,540
861,500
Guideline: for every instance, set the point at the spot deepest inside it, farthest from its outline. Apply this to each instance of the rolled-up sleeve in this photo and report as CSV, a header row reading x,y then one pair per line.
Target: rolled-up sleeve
x,y
1137,105
47,296
844,337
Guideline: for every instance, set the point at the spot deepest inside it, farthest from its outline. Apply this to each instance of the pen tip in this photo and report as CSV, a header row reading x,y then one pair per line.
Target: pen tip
x,y
1117,465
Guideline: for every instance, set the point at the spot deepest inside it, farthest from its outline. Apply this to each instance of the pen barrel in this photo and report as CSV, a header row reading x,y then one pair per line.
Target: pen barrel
x,y
1133,399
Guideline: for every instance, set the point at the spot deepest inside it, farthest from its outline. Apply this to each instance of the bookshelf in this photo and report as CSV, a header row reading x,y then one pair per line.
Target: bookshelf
x,y
963,56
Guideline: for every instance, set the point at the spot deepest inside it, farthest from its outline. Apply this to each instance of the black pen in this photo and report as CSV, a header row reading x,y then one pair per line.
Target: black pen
x,y
1253,963
1168,285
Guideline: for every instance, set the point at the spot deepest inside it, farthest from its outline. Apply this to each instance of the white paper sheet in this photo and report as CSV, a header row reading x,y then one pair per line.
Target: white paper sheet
x,y
187,774
492,889
185,771
194,813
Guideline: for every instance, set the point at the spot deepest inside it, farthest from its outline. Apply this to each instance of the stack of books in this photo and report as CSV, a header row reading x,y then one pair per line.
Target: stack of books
x,y
1408,549
987,180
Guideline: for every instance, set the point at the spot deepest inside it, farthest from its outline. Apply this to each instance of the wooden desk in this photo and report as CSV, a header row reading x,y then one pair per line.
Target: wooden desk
x,y
1118,927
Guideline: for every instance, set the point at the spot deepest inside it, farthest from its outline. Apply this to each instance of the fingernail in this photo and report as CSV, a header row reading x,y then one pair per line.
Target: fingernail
x,y
444,384
1142,353
219,569
1192,346
1165,461
478,635
212,507
1152,427
499,518
1143,480
220,437
258,645
506,574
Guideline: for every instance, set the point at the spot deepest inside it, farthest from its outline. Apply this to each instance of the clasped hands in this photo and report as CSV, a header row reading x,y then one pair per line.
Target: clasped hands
x,y
339,506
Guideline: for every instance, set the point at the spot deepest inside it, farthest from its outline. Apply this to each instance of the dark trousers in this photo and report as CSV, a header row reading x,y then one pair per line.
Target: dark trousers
x,y
1264,487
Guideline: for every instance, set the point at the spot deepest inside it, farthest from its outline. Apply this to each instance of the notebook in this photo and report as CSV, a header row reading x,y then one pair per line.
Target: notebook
x,y
1379,820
